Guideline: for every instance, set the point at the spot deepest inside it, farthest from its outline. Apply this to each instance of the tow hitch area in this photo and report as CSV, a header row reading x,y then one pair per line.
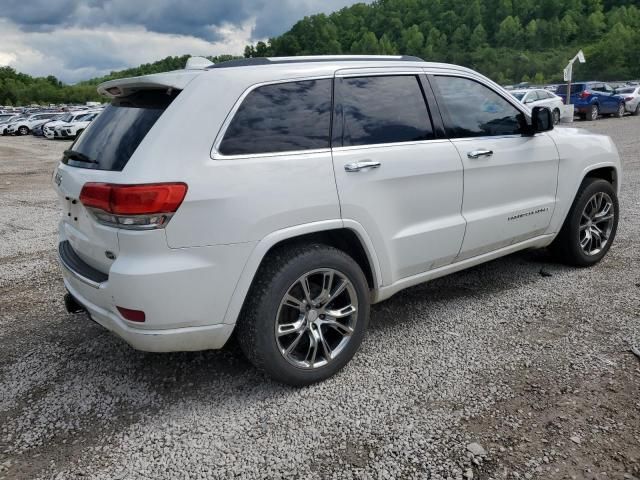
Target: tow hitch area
x,y
72,305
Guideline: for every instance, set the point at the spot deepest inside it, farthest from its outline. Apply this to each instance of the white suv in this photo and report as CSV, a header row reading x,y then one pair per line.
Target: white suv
x,y
278,198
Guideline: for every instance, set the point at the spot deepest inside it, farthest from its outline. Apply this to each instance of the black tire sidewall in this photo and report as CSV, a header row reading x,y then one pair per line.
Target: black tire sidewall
x,y
272,361
572,235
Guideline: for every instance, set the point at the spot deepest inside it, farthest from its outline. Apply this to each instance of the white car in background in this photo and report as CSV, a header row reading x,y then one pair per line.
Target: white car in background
x,y
631,97
50,128
24,125
5,120
75,128
539,97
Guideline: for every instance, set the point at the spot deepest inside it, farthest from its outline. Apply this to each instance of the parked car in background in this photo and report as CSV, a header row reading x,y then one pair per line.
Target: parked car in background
x,y
414,178
70,117
75,128
24,125
5,121
38,130
631,97
539,97
592,99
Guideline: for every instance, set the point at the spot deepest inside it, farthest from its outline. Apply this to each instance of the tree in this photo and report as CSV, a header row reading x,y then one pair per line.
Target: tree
x,y
510,32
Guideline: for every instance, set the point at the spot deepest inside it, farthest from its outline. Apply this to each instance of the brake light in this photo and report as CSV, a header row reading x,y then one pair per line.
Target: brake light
x,y
585,94
628,99
144,206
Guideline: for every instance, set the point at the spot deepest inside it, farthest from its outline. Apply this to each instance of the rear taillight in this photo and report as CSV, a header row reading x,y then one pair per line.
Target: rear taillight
x,y
585,94
628,99
137,207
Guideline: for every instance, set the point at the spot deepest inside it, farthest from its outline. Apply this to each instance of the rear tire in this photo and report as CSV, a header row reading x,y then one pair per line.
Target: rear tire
x,y
620,112
278,303
22,131
577,242
594,113
556,116
636,112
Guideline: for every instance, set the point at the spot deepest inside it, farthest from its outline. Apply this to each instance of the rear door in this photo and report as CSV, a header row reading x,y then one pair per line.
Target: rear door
x,y
510,179
396,175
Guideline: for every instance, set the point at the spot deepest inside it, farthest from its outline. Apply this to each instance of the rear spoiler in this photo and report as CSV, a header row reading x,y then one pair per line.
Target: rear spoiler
x,y
122,87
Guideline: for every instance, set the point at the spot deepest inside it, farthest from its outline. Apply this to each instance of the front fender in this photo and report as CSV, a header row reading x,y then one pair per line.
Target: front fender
x,y
580,153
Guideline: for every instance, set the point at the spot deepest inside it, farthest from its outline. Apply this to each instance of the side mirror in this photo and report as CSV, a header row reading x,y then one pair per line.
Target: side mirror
x,y
541,119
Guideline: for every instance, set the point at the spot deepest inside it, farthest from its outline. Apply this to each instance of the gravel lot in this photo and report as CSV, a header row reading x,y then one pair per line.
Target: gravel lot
x,y
527,358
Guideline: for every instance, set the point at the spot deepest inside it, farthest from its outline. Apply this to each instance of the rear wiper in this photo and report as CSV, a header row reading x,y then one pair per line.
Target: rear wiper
x,y
77,156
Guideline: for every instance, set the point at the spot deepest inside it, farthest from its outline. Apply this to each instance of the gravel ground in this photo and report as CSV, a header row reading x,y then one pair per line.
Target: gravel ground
x,y
519,368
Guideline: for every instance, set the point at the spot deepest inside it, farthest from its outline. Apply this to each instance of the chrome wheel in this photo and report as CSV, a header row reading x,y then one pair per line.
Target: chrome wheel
x,y
596,223
316,318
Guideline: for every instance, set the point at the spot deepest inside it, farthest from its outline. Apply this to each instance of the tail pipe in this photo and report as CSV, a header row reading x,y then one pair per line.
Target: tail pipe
x,y
72,305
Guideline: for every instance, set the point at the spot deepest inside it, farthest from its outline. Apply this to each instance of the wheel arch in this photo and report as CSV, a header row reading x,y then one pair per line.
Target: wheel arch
x,y
352,240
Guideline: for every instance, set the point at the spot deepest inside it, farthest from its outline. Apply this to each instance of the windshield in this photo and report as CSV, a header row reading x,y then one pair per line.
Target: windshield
x,y
518,95
115,134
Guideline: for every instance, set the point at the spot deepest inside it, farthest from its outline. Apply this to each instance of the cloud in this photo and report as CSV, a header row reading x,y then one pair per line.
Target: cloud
x,y
79,39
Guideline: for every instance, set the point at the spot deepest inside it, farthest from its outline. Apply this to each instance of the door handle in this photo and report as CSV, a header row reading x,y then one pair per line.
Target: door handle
x,y
357,166
480,153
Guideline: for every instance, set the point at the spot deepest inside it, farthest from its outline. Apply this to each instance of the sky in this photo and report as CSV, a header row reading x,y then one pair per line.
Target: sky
x,y
81,39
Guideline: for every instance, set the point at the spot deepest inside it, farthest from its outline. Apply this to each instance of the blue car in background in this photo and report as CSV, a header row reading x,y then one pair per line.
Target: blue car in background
x,y
592,99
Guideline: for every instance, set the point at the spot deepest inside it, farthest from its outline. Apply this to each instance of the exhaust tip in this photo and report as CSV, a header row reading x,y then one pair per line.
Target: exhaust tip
x,y
72,305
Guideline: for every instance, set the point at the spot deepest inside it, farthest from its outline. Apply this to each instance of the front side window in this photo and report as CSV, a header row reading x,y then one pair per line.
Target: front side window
x,y
383,109
283,117
474,110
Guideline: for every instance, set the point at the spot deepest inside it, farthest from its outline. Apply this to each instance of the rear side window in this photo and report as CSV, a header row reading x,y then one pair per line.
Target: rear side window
x,y
575,88
115,134
383,109
283,117
474,110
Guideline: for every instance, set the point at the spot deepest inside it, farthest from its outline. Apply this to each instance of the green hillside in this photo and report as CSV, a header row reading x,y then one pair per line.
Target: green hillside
x,y
508,40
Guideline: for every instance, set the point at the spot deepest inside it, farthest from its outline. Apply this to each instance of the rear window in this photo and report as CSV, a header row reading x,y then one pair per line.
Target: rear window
x,y
284,117
116,133
575,88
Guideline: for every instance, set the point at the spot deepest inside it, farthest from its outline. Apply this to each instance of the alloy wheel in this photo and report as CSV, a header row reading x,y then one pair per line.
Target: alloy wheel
x,y
596,224
594,112
316,318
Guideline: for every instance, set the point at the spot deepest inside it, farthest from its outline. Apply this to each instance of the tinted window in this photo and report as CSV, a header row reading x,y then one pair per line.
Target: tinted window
x,y
518,95
383,110
281,118
116,133
473,110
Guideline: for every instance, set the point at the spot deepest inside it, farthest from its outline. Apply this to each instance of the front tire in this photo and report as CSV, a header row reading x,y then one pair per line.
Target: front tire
x,y
305,315
23,131
556,116
591,225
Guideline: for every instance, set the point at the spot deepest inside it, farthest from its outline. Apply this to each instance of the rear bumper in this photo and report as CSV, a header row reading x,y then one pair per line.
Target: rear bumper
x,y
167,340
183,292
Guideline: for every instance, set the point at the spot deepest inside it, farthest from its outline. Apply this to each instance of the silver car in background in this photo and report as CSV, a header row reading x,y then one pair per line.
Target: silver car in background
x,y
631,97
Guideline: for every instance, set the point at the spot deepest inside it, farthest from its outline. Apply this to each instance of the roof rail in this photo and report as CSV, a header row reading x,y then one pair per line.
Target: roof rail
x,y
255,61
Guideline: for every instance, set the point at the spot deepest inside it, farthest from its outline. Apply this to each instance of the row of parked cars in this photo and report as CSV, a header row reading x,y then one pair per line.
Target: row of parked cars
x,y
51,125
590,99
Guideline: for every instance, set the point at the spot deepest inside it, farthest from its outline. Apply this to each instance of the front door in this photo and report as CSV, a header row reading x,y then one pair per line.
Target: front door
x,y
394,177
510,179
